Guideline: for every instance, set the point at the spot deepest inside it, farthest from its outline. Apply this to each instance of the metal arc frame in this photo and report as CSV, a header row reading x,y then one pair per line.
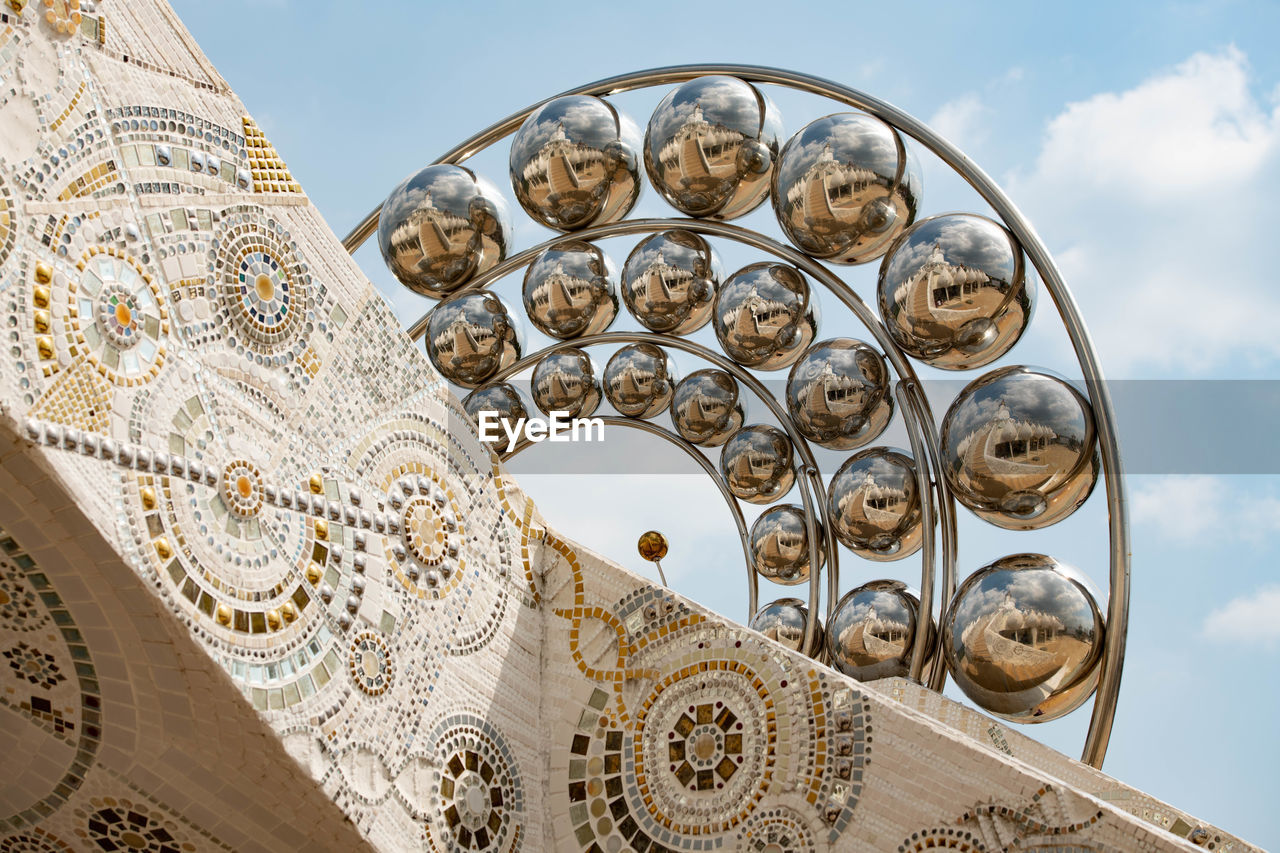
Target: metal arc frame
x,y
1105,700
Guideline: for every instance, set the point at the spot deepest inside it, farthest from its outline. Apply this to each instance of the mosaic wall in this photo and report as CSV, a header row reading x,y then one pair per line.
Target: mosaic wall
x,y
274,517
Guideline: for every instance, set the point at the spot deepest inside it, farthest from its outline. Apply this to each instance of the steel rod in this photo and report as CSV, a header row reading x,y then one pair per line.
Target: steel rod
x,y
920,640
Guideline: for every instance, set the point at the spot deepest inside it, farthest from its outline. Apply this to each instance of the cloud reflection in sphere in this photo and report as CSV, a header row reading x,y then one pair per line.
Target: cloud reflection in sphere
x,y
874,504
872,630
566,380
707,407
765,316
639,381
784,621
845,187
954,291
1023,638
1019,448
780,549
502,399
471,337
441,227
838,394
575,162
570,290
757,464
711,146
669,282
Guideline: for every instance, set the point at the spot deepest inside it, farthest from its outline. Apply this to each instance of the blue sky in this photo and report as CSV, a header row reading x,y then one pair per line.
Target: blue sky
x,y
1142,139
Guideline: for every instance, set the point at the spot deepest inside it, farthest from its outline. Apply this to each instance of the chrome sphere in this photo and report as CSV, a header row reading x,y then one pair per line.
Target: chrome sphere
x,y
441,227
711,145
874,504
707,407
756,463
669,282
571,290
1023,638
846,186
566,381
838,394
873,629
639,381
471,337
765,316
954,291
575,162
784,621
503,400
780,548
1019,448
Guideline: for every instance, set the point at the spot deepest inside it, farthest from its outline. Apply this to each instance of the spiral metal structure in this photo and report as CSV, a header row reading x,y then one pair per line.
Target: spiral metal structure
x,y
1024,637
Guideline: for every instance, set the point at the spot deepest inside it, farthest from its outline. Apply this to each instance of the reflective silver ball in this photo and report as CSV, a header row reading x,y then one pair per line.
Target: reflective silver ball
x,y
838,394
707,407
765,316
1018,446
571,290
471,337
566,381
873,628
756,463
1023,638
441,227
874,504
669,282
784,621
780,548
501,399
954,291
575,162
846,186
639,381
711,146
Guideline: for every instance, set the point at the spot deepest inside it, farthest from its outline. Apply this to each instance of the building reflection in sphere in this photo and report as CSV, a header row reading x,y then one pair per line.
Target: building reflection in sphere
x,y
846,186
1023,638
1019,449
874,504
757,464
711,146
441,227
873,629
639,381
571,290
954,291
566,380
501,399
765,316
669,282
471,337
780,549
707,407
784,621
838,394
575,162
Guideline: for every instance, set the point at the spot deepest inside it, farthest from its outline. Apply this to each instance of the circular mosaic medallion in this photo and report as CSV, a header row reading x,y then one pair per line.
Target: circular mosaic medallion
x,y
370,663
38,841
31,664
775,830
942,839
480,792
116,317
261,283
704,747
111,824
242,488
424,552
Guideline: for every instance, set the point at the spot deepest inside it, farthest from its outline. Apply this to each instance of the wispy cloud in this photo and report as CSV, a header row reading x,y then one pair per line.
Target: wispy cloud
x,y
1250,618
1204,509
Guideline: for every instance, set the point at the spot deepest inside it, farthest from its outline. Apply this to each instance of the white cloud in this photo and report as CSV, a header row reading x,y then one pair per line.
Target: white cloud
x,y
1203,509
1250,618
1158,202
961,121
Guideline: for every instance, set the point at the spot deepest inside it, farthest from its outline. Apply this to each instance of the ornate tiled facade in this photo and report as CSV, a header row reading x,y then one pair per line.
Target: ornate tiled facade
x,y
261,587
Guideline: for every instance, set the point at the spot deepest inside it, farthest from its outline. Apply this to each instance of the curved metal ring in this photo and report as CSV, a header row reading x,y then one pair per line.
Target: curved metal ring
x,y
1104,707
